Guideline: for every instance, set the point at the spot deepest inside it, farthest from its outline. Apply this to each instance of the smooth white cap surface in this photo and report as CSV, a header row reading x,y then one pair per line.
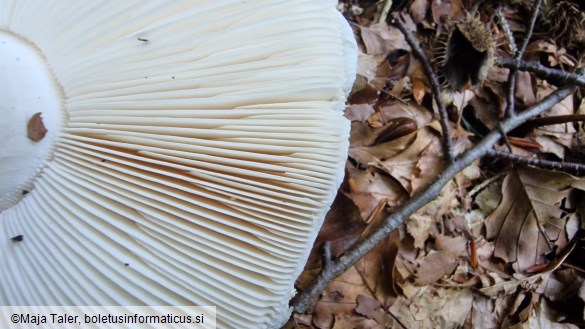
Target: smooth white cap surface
x,y
28,87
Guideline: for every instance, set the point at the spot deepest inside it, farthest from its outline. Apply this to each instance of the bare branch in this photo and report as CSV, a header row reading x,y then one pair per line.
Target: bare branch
x,y
505,137
433,81
555,76
385,11
510,93
304,299
569,167
327,255
533,16
553,120
511,83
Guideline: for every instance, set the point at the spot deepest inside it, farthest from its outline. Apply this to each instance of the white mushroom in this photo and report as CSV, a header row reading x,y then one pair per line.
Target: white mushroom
x,y
193,149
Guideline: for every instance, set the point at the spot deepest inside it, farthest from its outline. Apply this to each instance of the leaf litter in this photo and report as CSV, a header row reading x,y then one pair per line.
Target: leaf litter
x,y
503,245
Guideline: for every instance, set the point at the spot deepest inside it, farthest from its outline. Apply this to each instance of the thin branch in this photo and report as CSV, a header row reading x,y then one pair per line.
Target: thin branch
x,y
432,77
511,83
510,94
529,29
479,187
555,76
553,120
326,255
304,299
569,167
505,137
385,11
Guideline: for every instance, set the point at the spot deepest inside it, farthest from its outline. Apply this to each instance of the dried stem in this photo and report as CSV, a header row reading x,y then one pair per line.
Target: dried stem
x,y
553,120
569,167
507,32
533,16
511,83
326,255
505,137
433,81
554,76
385,11
304,299
510,94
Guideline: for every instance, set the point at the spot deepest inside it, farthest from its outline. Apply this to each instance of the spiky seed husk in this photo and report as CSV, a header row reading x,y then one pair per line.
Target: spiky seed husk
x,y
465,53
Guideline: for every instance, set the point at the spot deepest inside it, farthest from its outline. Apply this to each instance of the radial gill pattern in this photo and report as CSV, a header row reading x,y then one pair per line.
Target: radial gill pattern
x,y
198,148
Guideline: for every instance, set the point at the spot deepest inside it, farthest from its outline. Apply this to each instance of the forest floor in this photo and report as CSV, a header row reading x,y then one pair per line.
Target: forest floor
x,y
502,246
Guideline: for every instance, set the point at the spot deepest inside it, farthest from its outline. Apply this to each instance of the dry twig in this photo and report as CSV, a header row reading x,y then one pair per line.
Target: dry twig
x,y
554,76
511,83
385,11
569,167
434,82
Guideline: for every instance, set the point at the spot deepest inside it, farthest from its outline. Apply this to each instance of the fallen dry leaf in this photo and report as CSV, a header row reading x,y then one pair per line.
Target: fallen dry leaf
x,y
340,297
380,39
549,144
418,164
529,214
442,10
498,74
430,307
525,89
372,74
342,227
370,308
418,227
487,312
418,10
371,188
343,321
457,100
433,212
362,150
421,115
435,266
556,55
489,104
394,129
418,79
543,317
358,112
374,68
441,262
557,138
528,223
562,285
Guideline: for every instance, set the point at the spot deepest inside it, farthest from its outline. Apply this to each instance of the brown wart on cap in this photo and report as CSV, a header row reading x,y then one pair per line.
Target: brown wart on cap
x,y
212,185
36,128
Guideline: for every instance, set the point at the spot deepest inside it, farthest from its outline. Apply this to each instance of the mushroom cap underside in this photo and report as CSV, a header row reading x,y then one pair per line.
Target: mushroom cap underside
x,y
194,151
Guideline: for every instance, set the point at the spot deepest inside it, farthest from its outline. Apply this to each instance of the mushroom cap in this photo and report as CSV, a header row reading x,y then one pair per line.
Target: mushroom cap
x,y
193,150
